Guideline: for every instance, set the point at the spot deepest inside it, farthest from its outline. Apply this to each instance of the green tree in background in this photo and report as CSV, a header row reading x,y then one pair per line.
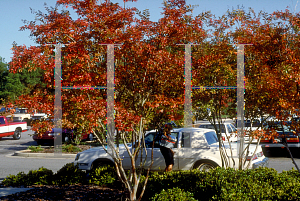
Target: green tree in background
x,y
14,85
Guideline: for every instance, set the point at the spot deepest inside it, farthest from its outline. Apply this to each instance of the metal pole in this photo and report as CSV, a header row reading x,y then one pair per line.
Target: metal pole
x,y
188,85
110,96
240,102
57,103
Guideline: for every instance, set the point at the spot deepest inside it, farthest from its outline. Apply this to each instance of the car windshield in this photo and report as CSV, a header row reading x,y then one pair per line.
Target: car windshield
x,y
211,137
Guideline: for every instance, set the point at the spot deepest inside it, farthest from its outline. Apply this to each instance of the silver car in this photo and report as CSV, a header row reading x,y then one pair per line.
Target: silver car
x,y
195,148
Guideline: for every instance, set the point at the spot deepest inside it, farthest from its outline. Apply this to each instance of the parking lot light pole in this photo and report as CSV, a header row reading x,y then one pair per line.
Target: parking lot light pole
x,y
110,95
57,103
110,99
188,85
240,101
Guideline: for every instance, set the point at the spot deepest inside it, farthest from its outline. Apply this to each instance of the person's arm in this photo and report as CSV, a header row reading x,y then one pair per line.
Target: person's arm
x,y
167,135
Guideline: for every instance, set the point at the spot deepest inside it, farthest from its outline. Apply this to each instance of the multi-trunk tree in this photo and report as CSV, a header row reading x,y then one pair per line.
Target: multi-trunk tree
x,y
149,68
149,65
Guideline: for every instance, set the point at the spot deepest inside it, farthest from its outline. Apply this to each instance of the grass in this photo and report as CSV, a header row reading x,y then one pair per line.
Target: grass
x,y
35,148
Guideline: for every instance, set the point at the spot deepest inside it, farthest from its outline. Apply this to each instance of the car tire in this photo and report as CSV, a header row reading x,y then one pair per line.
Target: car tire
x,y
17,134
206,165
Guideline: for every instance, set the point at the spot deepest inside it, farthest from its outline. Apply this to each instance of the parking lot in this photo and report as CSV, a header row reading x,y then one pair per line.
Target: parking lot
x,y
12,164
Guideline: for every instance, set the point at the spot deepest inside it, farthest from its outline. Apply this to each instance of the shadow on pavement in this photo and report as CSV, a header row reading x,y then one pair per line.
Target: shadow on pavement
x,y
281,152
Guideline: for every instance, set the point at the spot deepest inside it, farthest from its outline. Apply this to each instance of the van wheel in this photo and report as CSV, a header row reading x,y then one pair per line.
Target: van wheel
x,y
206,166
17,134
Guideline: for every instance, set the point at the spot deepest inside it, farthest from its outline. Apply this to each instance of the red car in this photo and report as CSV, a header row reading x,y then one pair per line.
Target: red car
x,y
67,136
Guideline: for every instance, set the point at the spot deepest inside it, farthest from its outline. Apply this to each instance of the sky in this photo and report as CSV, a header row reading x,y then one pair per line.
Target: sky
x,y
12,12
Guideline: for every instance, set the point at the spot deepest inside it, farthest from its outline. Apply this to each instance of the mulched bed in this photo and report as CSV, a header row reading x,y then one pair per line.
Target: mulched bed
x,y
50,149
71,192
88,145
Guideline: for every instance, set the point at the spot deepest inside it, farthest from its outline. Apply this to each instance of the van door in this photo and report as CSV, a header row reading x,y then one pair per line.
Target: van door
x,y
185,155
158,159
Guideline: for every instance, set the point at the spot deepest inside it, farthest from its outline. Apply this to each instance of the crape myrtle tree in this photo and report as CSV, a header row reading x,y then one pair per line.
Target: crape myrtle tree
x,y
271,69
272,72
149,69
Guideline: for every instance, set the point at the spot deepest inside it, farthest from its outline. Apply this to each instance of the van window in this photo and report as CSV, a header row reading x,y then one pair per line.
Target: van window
x,y
186,140
149,140
150,137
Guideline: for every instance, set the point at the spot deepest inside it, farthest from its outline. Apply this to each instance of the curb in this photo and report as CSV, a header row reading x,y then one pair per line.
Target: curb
x,y
28,153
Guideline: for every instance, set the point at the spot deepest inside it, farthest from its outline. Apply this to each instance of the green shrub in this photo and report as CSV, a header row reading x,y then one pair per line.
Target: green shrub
x,y
168,180
229,184
174,194
35,148
217,184
69,174
42,176
70,148
103,176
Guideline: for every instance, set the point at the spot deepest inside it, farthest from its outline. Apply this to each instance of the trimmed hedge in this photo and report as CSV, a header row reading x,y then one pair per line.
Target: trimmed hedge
x,y
103,176
42,176
217,184
69,174
229,184
174,194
